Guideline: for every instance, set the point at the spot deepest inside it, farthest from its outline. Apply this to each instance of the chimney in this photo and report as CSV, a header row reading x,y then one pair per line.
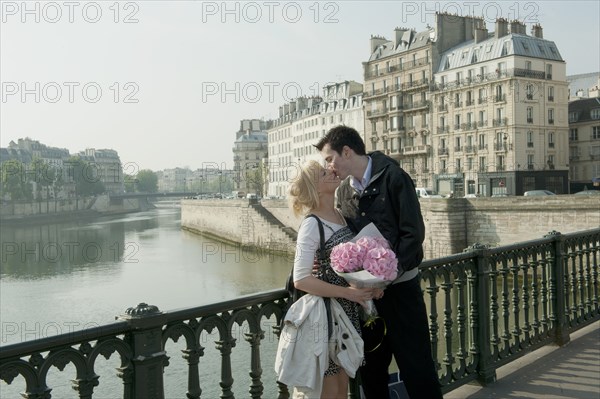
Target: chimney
x,y
517,27
501,28
481,34
377,41
398,32
537,31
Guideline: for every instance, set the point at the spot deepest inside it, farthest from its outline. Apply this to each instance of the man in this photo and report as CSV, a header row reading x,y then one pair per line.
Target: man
x,y
375,189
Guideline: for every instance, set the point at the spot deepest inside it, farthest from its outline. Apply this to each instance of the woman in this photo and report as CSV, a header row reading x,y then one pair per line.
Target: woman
x,y
312,192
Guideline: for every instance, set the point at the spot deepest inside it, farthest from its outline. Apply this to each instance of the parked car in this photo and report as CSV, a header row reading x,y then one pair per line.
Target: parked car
x,y
471,196
537,193
426,193
588,192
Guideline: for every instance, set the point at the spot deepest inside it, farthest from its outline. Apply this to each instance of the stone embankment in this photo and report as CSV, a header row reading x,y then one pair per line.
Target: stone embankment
x,y
69,209
451,224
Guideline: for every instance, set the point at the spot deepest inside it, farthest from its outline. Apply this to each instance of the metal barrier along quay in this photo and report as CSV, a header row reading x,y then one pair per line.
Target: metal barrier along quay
x,y
486,306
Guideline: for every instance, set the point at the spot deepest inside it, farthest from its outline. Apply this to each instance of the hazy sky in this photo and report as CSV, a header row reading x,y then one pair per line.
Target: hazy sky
x,y
167,83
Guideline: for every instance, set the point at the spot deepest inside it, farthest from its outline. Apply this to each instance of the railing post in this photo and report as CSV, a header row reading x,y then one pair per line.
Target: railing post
x,y
562,336
149,356
486,369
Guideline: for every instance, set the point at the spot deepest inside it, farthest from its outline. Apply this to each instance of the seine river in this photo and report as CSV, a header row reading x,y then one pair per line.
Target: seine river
x,y
60,277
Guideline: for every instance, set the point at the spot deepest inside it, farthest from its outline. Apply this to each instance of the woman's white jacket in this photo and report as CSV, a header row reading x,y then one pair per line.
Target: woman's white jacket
x,y
304,351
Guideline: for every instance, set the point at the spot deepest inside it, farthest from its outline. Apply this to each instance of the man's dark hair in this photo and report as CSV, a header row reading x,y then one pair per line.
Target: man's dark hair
x,y
339,136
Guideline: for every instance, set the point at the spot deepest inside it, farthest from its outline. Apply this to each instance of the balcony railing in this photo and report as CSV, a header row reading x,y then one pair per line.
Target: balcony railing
x,y
443,151
486,307
500,122
443,129
490,77
416,150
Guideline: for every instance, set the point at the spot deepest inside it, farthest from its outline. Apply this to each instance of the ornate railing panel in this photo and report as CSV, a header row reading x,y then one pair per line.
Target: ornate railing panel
x,y
487,307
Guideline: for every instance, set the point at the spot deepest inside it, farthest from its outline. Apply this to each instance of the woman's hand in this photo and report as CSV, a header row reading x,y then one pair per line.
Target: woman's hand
x,y
378,293
359,295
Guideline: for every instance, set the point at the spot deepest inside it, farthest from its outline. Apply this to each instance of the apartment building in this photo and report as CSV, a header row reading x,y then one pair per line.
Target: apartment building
x,y
249,151
584,143
398,81
467,111
500,105
302,123
105,166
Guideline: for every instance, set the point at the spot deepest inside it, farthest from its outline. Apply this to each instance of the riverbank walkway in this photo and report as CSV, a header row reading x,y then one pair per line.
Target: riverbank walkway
x,y
551,372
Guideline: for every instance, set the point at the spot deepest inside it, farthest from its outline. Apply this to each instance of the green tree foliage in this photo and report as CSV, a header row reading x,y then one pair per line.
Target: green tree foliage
x,y
86,177
15,182
147,181
129,183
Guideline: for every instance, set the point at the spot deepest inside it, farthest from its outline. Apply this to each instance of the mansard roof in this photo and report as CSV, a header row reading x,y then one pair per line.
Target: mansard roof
x,y
513,44
410,40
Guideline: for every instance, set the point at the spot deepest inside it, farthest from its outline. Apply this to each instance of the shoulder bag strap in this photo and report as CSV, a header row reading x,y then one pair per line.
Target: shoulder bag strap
x,y
322,256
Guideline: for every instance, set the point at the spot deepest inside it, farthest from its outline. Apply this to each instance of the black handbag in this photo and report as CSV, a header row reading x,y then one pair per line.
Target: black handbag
x,y
296,294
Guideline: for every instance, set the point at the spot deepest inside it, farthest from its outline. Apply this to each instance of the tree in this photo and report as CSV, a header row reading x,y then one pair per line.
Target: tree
x,y
44,176
147,181
129,183
13,181
255,179
86,178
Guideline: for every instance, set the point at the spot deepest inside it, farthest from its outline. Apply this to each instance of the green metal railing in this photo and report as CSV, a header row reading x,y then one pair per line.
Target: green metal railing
x,y
487,307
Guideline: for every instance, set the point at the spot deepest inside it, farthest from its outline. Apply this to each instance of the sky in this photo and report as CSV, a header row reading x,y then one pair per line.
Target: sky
x,y
166,84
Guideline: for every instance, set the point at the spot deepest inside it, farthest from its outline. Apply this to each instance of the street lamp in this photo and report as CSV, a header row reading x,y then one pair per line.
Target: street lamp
x,y
220,183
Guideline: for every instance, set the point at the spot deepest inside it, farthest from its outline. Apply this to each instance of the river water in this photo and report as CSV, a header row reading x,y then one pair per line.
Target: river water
x,y
60,277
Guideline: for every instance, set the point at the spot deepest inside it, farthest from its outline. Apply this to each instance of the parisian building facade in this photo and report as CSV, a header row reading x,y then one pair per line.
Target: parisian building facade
x,y
249,153
584,143
465,111
301,124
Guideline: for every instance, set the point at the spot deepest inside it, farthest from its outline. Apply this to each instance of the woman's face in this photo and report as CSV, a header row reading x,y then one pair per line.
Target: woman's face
x,y
328,181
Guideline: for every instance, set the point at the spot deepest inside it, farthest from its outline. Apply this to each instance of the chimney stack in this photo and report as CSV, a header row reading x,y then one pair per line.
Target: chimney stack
x,y
517,27
377,41
398,32
501,28
537,31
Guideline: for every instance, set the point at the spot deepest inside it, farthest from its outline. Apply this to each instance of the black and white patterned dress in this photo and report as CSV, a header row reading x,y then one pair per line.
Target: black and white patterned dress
x,y
339,236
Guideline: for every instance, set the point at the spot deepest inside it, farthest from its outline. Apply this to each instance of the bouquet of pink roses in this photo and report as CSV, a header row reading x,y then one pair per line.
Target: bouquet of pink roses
x,y
366,262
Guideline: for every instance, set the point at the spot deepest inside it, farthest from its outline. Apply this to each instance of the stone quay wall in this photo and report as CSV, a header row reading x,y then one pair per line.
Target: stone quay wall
x,y
451,224
235,222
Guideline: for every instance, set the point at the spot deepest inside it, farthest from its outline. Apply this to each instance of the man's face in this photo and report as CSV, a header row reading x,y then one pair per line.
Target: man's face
x,y
336,161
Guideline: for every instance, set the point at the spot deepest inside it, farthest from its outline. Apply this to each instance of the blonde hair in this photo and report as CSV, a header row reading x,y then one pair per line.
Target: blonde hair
x,y
303,195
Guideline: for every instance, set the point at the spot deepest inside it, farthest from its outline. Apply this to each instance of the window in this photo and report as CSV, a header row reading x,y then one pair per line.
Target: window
x,y
482,118
527,63
529,91
456,122
529,114
529,161
595,132
530,139
551,116
551,161
551,140
549,71
469,163
573,134
458,165
550,93
595,113
482,164
482,145
573,116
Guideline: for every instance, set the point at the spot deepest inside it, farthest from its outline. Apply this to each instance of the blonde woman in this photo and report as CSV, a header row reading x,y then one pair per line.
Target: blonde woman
x,y
312,192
